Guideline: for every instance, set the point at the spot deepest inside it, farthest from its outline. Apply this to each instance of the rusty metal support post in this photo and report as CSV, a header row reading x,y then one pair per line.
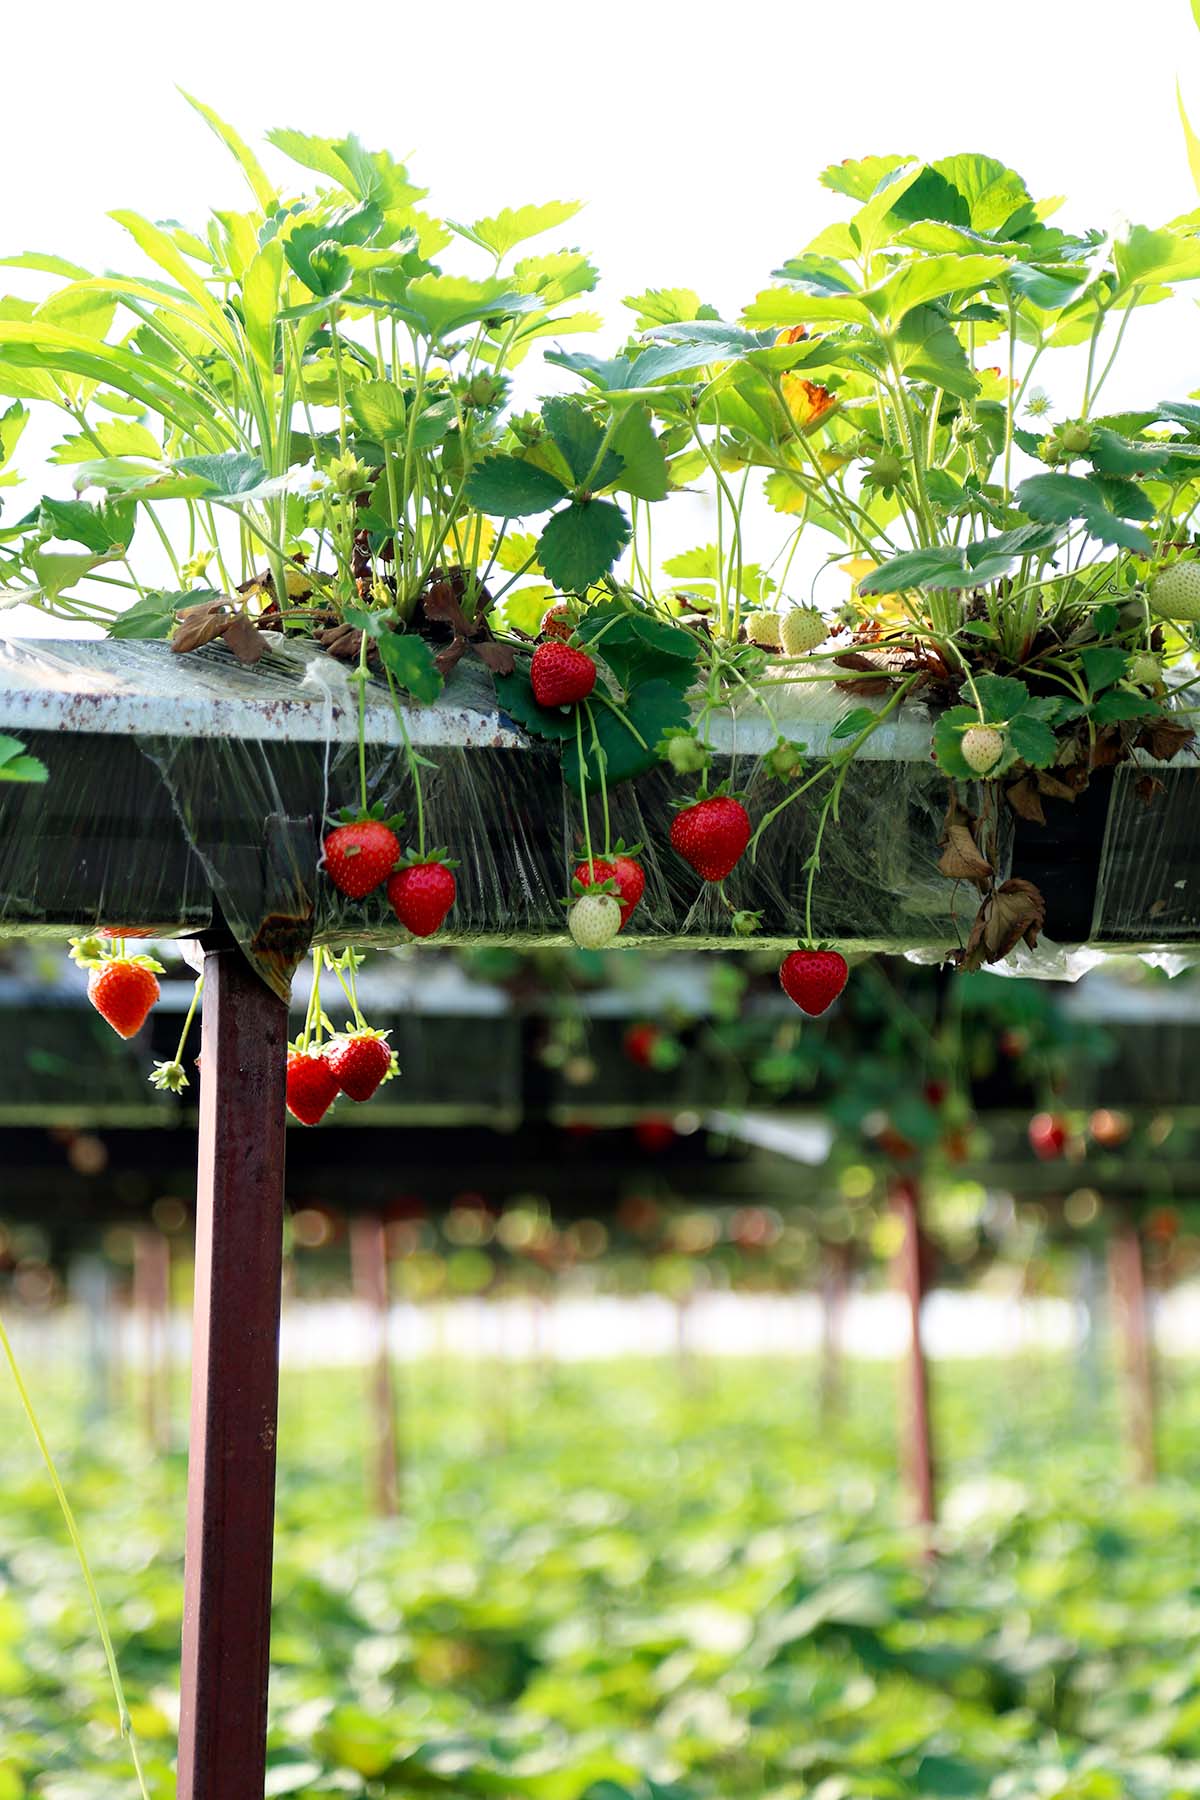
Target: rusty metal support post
x,y
1127,1273
235,1385
910,1278
152,1309
369,1270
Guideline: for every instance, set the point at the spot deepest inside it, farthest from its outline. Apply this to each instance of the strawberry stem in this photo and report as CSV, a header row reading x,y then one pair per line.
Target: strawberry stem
x,y
413,765
60,1495
587,707
583,805
362,719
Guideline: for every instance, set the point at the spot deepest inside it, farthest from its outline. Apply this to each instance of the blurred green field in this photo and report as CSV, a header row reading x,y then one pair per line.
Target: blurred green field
x,y
621,1582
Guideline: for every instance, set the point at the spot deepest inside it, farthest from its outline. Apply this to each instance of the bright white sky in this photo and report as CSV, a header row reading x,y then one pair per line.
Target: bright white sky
x,y
695,133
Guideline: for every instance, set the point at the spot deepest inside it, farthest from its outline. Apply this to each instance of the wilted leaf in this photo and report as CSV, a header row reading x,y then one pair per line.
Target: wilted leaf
x,y
961,858
240,636
1013,912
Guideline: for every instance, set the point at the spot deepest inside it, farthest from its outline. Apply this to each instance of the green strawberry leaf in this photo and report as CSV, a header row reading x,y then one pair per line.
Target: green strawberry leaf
x,y
578,437
627,745
581,543
1032,740
507,487
1117,705
638,648
409,661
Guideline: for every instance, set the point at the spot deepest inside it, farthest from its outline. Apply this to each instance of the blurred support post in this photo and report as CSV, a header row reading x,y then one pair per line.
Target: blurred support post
x,y
235,1384
1127,1276
151,1309
92,1287
1089,1301
910,1279
369,1268
835,1287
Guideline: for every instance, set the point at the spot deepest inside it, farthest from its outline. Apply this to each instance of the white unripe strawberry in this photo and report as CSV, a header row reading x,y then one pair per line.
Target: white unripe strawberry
x,y
982,748
801,629
1175,593
762,628
594,921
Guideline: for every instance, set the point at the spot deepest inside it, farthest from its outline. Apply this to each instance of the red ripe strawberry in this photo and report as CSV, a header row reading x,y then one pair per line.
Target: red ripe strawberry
x,y
556,622
711,835
421,894
360,855
640,1042
627,876
1047,1136
312,1086
813,979
360,1060
123,990
561,675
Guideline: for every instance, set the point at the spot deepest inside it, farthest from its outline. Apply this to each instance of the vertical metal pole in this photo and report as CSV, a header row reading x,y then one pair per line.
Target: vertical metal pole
x,y
911,1281
235,1385
151,1305
369,1268
1128,1276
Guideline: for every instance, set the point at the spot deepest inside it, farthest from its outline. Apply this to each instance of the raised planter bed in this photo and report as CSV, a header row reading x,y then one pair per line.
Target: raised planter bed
x,y
177,782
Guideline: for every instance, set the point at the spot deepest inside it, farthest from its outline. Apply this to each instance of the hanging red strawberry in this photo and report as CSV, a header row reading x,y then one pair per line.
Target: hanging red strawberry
x,y
813,979
312,1086
711,835
360,1060
360,854
627,876
561,675
422,891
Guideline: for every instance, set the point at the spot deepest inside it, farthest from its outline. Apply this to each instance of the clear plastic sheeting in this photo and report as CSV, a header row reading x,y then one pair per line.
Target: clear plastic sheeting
x,y
187,789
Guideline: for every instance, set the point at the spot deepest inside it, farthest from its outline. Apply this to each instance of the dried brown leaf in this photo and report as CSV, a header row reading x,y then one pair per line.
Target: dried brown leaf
x,y
441,603
498,657
1012,912
449,655
1148,787
961,858
1026,801
200,625
240,637
1063,784
1164,738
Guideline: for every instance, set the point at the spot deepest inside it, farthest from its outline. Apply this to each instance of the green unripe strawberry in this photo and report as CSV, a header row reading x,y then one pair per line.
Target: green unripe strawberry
x,y
1145,670
1075,438
887,471
685,753
784,760
982,748
762,628
801,629
1175,593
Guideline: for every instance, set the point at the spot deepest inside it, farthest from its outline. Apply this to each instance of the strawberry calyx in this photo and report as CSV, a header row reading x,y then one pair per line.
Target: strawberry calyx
x,y
169,1077
89,952
579,889
371,815
421,859
94,953
724,791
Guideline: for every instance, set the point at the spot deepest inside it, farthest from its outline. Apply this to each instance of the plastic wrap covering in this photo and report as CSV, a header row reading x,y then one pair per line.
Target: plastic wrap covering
x,y
186,787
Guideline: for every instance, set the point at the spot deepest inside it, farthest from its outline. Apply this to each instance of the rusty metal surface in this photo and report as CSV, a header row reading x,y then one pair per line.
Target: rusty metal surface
x,y
235,1383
